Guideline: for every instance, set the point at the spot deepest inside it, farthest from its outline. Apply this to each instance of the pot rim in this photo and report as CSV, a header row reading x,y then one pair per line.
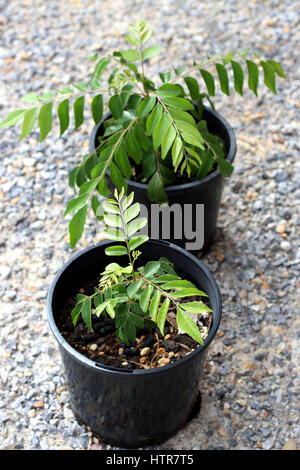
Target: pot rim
x,y
184,186
88,362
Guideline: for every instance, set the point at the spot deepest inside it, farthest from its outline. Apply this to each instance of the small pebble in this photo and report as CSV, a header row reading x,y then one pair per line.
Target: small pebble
x,y
163,361
160,351
31,413
22,323
285,245
145,351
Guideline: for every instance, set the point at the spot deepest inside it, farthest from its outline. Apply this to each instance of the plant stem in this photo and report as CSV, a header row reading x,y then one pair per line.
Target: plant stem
x,y
210,61
164,293
124,226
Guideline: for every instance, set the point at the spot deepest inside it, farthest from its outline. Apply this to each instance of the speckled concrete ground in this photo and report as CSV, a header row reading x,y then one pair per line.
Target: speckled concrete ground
x,y
250,389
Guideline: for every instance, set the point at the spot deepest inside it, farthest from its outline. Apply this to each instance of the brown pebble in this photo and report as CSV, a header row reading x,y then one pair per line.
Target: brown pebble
x,y
160,351
38,404
145,351
171,354
121,351
143,359
167,336
280,228
164,361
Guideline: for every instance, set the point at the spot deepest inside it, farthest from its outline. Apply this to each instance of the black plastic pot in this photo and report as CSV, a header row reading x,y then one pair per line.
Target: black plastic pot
x,y
207,191
130,408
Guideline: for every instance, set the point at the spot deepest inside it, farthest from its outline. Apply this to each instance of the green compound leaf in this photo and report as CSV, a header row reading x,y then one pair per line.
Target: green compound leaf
x,y
97,108
195,307
177,284
63,115
145,298
151,268
29,121
133,288
162,315
168,90
225,167
145,106
88,186
76,203
154,305
99,69
177,152
117,250
160,129
131,55
117,177
186,292
193,87
122,161
167,141
31,98
209,81
115,106
253,74
136,225
146,35
137,241
127,201
269,76
97,208
86,313
150,52
179,103
76,226
187,324
45,120
156,191
277,68
153,118
113,220
223,77
132,212
133,148
79,111
112,234
238,77
75,314
13,118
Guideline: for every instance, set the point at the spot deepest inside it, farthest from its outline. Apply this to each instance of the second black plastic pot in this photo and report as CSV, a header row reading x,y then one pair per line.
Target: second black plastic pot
x,y
189,196
130,408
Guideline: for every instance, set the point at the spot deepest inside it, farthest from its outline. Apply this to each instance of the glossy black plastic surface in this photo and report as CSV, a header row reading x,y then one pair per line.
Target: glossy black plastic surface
x,y
131,408
207,191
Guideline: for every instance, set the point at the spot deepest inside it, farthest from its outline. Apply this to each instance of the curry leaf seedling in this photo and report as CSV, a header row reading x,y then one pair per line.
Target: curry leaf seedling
x,y
155,131
137,296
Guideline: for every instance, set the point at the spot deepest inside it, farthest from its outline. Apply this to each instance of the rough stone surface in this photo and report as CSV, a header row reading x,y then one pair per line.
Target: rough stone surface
x,y
250,388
